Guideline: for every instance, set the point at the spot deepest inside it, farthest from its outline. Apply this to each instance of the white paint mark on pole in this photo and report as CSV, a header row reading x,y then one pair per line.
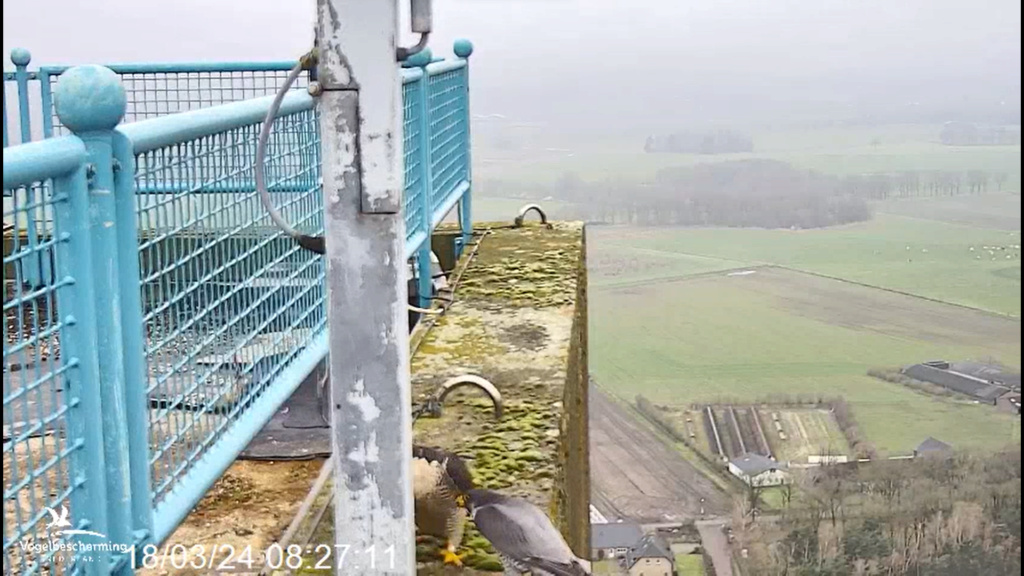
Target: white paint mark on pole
x,y
360,399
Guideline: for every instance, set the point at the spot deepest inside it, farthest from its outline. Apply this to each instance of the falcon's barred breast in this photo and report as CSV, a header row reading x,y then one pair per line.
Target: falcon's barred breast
x,y
441,481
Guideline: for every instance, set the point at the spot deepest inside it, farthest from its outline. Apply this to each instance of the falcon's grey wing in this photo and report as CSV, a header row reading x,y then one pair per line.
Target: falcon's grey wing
x,y
524,533
554,569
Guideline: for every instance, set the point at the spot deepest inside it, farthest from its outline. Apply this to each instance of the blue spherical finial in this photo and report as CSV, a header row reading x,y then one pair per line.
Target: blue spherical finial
x,y
90,98
463,48
21,57
420,59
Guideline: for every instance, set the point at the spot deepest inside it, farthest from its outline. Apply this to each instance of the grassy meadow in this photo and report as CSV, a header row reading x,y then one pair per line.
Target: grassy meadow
x,y
677,316
689,565
773,333
928,258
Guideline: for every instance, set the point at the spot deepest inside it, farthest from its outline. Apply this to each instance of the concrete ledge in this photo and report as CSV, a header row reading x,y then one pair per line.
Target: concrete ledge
x,y
519,320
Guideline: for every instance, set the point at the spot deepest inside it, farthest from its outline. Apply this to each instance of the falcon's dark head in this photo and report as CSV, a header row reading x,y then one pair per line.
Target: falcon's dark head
x,y
454,466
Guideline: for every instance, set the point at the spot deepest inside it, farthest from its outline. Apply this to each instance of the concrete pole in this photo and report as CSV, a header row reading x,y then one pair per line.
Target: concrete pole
x,y
361,139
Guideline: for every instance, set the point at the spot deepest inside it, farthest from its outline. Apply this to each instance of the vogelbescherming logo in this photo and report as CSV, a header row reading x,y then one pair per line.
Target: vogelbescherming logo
x,y
60,530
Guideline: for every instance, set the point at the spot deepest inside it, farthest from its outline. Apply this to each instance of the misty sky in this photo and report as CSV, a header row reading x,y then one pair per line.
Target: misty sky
x,y
607,62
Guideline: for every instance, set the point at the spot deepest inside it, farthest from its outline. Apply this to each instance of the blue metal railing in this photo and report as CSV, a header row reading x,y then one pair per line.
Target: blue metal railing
x,y
53,442
152,90
138,255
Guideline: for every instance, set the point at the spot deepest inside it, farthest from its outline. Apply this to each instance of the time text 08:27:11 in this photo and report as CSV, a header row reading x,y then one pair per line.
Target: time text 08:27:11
x,y
228,558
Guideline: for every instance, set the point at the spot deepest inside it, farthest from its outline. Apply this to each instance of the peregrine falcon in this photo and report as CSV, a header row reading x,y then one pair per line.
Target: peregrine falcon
x,y
441,481
523,535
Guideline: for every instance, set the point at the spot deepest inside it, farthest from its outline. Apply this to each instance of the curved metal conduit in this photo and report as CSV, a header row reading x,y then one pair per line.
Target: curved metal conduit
x,y
521,217
313,243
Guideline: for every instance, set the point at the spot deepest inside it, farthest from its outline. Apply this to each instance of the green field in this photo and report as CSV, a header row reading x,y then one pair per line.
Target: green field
x,y
669,322
689,565
745,338
999,211
616,265
924,257
810,432
606,567
834,150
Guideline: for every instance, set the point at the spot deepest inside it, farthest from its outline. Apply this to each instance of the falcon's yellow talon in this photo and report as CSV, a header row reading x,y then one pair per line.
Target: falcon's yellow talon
x,y
450,557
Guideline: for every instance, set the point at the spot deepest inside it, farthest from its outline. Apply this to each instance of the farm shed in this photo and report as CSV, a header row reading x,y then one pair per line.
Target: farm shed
x,y
993,374
945,375
933,447
613,540
759,471
651,556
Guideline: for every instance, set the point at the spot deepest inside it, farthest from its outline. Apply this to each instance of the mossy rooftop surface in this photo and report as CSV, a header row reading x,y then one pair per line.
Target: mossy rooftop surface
x,y
511,323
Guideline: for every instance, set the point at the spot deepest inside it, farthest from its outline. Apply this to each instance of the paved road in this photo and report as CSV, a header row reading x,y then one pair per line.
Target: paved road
x,y
636,476
716,543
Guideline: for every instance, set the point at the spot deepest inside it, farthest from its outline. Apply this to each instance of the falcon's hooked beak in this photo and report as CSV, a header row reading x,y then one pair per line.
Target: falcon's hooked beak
x,y
464,501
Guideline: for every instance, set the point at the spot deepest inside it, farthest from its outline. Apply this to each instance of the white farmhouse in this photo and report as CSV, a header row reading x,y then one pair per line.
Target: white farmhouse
x,y
759,471
651,556
614,539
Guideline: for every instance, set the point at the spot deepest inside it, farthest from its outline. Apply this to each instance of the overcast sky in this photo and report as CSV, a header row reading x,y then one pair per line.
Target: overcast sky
x,y
603,61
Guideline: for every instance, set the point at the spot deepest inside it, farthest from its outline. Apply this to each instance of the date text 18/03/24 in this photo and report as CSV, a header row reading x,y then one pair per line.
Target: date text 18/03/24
x,y
227,558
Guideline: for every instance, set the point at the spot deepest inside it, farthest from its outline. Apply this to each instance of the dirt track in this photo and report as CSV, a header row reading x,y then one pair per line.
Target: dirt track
x,y
635,475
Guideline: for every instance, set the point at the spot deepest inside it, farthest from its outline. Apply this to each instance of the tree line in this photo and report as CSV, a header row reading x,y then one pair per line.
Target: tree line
x,y
935,516
747,193
741,193
970,134
689,142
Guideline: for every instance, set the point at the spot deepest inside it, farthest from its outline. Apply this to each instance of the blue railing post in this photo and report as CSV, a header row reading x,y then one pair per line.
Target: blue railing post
x,y
46,102
425,284
91,102
134,339
21,59
81,378
32,268
463,49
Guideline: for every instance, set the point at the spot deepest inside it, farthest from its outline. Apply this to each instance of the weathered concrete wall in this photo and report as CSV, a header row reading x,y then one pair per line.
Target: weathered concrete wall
x,y
519,320
575,451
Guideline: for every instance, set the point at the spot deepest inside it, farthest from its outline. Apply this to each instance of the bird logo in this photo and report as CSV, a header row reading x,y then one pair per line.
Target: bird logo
x,y
58,521
60,524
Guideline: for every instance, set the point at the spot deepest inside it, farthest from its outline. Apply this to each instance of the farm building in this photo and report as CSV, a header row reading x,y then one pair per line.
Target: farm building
x,y
1010,403
759,471
650,556
993,374
983,383
613,540
933,448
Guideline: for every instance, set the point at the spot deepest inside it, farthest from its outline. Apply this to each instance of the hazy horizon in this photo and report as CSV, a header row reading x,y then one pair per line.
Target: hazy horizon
x,y
605,65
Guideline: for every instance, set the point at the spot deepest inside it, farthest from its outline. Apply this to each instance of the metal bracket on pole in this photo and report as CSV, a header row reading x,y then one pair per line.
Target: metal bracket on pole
x,y
378,135
360,116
